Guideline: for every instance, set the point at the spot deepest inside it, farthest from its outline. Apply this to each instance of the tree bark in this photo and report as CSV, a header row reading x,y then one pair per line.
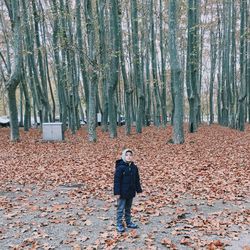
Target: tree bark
x,y
136,65
114,69
243,89
157,98
192,64
92,73
163,71
127,88
176,76
15,76
213,51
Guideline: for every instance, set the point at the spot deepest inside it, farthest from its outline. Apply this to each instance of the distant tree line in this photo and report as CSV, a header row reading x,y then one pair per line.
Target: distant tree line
x,y
137,58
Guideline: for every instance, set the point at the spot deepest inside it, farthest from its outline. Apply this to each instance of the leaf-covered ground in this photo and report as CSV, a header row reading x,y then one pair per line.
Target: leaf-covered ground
x,y
58,195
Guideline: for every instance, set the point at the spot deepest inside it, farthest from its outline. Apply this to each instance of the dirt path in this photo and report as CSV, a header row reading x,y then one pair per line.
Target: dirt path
x,y
62,218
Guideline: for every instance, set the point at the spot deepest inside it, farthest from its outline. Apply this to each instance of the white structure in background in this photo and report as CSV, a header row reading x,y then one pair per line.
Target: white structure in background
x,y
4,121
120,119
99,117
53,131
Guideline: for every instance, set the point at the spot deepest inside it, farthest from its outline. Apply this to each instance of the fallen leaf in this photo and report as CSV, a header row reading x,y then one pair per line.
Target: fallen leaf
x,y
134,234
87,223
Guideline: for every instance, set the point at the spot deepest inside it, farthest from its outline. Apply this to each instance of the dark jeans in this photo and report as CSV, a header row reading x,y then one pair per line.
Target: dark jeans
x,y
124,204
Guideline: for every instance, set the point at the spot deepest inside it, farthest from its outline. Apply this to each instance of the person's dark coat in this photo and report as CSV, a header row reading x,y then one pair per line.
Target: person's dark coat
x,y
126,180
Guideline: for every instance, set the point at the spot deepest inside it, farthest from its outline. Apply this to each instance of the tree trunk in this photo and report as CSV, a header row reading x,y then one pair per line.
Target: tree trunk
x,y
93,74
176,76
213,51
192,64
243,68
163,71
21,106
42,72
114,69
27,113
103,62
127,88
248,60
157,113
136,66
148,92
225,87
232,77
15,77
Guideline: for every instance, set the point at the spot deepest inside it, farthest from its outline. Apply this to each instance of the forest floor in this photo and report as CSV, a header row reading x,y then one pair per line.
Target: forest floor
x,y
58,195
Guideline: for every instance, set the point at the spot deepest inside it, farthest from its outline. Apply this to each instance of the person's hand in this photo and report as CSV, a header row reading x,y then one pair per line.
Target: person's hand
x,y
117,196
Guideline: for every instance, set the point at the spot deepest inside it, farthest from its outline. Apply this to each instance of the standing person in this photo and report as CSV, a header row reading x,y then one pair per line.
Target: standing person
x,y
126,185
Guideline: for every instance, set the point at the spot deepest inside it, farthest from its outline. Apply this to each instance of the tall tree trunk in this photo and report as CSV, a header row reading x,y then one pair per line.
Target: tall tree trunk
x,y
127,88
163,71
243,93
219,65
42,72
143,43
213,53
200,46
58,66
225,85
176,75
72,74
6,61
81,52
93,74
114,69
21,106
27,113
232,77
248,59
136,65
15,77
154,68
34,81
148,91
192,64
131,70
103,61
51,90
63,84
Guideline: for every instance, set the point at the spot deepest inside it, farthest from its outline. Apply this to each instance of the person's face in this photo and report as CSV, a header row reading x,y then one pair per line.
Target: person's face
x,y
129,157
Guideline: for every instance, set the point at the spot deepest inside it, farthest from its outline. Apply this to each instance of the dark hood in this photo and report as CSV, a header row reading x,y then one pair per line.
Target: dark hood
x,y
119,162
